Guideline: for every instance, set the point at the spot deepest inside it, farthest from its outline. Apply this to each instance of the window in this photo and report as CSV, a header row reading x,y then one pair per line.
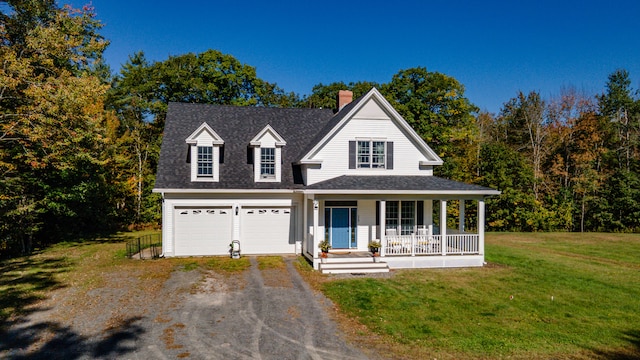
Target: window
x,y
267,163
371,154
205,161
401,215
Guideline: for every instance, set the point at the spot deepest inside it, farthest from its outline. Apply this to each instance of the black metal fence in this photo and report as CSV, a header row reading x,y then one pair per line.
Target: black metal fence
x,y
145,247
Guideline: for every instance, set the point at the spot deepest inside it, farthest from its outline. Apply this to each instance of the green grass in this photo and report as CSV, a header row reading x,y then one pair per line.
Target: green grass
x,y
542,295
225,264
25,280
270,262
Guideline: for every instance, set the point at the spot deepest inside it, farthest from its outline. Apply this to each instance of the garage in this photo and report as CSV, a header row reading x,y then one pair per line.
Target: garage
x,y
202,230
267,230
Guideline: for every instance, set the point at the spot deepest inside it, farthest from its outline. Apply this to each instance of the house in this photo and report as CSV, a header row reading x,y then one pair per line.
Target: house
x,y
279,181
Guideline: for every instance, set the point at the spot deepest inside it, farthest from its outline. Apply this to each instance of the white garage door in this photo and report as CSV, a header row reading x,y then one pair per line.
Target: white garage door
x,y
202,231
267,230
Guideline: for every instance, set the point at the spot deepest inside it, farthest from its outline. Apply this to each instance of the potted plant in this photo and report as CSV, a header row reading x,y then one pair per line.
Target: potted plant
x,y
324,246
374,247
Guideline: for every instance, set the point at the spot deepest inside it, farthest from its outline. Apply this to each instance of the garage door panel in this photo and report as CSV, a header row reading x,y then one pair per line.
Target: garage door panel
x,y
202,231
267,230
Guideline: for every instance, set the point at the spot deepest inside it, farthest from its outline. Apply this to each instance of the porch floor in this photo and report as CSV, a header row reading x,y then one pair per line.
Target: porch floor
x,y
343,254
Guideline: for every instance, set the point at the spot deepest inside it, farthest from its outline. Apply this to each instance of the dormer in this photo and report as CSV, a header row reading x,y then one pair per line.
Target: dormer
x,y
204,152
267,155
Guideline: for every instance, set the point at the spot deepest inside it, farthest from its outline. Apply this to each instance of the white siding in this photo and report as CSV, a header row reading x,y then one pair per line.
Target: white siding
x,y
267,140
366,223
370,122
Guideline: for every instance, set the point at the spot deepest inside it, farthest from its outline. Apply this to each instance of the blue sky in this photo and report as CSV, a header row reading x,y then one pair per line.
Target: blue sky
x,y
494,48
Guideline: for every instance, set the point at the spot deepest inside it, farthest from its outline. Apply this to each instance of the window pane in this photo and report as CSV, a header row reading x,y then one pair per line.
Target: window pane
x,y
205,161
364,154
377,158
407,217
327,223
267,162
354,227
391,215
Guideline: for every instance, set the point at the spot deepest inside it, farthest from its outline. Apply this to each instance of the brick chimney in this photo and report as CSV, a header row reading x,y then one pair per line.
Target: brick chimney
x,y
344,98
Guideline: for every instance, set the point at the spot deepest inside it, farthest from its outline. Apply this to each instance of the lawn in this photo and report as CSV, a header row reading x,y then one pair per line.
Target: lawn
x,y
541,295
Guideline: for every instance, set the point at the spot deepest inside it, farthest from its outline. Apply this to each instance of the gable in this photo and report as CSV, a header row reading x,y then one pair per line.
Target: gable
x,y
268,137
204,134
372,117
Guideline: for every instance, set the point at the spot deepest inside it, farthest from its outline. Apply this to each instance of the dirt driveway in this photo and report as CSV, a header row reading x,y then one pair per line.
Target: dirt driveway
x,y
259,314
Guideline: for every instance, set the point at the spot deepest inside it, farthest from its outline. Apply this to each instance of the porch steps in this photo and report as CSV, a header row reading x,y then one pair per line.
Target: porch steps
x,y
353,267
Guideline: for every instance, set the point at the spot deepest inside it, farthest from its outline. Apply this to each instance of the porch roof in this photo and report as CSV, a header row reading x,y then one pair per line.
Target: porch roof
x,y
391,184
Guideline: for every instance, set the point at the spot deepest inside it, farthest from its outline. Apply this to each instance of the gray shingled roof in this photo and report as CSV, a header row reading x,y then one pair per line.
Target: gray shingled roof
x,y
236,125
328,127
300,128
397,182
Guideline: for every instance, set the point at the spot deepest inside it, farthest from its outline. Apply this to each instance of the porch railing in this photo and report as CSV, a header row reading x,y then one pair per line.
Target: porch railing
x,y
416,244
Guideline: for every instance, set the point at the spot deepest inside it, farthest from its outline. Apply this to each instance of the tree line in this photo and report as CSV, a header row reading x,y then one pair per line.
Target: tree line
x,y
79,145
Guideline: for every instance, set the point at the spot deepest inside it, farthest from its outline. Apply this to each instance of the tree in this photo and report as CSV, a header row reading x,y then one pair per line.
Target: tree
x,y
623,111
324,96
435,106
141,92
55,137
525,120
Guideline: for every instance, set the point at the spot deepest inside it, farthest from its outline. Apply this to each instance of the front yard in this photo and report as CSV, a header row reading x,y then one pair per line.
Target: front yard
x,y
542,295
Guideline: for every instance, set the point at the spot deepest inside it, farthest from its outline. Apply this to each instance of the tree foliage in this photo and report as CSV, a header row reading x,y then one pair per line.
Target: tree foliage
x,y
56,140
141,92
79,147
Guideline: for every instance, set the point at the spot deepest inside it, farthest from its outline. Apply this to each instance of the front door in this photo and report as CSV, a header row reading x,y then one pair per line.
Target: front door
x,y
340,230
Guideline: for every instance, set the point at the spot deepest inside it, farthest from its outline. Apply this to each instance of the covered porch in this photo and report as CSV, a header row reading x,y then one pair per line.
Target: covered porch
x,y
411,230
418,221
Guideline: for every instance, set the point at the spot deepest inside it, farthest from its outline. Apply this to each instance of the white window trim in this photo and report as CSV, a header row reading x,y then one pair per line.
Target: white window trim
x,y
371,141
258,143
198,163
257,161
204,135
267,176
215,177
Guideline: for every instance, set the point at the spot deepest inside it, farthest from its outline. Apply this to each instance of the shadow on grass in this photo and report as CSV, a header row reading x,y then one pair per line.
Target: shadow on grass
x,y
629,353
24,281
64,343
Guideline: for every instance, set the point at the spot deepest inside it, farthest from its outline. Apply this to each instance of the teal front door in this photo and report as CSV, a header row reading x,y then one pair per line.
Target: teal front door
x,y
340,229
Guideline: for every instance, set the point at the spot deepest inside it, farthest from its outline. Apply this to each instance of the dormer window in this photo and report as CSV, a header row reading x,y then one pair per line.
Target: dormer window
x,y
204,152
205,161
267,155
267,163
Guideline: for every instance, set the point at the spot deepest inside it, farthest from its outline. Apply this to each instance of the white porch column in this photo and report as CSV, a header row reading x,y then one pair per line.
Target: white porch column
x,y
316,238
481,226
305,225
428,215
461,220
383,226
443,225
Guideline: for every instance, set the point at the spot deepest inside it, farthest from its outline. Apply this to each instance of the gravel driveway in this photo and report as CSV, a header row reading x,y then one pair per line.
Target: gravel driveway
x,y
260,314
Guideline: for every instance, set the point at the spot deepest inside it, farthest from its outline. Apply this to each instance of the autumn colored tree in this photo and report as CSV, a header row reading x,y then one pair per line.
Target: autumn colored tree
x,y
56,140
